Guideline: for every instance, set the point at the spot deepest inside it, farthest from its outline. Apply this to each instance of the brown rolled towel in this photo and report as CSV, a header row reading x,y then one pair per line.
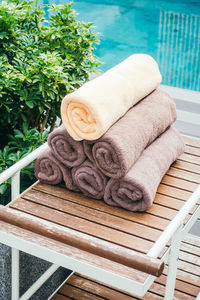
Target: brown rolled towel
x,y
68,151
49,170
137,189
118,149
89,180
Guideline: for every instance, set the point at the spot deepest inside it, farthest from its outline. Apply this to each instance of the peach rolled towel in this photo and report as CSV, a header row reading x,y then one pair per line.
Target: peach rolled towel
x,y
49,170
119,148
137,189
88,112
68,151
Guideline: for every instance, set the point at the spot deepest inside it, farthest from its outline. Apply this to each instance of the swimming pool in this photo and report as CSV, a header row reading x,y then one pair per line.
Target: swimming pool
x,y
168,30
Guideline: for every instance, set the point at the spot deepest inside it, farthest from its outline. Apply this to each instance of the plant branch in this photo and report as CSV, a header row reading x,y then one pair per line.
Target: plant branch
x,y
52,126
45,121
37,120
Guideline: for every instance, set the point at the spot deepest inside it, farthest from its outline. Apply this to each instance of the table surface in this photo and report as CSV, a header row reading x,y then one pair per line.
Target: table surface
x,y
137,231
187,281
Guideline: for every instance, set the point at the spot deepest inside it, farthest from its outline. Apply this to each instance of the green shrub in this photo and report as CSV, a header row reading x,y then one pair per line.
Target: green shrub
x,y
41,60
21,144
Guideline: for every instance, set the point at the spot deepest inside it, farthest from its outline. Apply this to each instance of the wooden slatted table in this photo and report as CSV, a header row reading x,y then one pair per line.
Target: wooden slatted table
x,y
135,231
187,283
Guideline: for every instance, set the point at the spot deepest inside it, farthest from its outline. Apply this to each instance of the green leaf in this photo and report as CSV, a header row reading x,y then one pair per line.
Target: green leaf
x,y
6,151
7,108
3,188
30,104
25,127
18,134
41,109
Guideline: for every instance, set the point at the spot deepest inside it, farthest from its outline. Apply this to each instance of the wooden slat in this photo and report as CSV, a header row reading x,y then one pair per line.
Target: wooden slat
x,y
192,142
151,296
192,240
163,212
183,165
163,200
82,225
160,290
168,201
182,174
173,192
155,210
183,290
108,220
186,277
79,287
189,268
142,218
187,284
92,215
95,287
192,150
76,293
190,158
191,258
181,286
82,241
68,207
73,252
187,248
179,183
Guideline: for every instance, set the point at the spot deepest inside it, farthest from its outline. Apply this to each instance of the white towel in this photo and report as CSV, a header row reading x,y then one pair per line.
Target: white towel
x,y
89,112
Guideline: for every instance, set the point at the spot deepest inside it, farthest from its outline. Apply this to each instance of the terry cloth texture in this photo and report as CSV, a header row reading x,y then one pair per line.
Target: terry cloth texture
x,y
89,112
68,151
137,189
49,170
89,180
119,148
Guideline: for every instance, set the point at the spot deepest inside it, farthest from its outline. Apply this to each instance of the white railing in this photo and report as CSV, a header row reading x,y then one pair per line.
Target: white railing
x,y
14,173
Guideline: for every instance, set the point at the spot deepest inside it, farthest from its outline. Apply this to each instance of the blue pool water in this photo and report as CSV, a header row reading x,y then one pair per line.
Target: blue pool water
x,y
168,30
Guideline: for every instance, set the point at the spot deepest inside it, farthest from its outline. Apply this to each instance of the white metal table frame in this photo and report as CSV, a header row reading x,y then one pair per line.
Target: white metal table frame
x,y
175,231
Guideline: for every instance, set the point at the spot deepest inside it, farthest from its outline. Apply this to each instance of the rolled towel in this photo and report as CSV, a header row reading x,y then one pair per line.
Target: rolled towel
x,y
88,112
89,180
137,189
118,149
49,170
68,151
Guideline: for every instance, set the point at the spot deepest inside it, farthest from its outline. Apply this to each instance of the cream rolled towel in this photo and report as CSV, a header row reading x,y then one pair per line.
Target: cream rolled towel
x,y
88,112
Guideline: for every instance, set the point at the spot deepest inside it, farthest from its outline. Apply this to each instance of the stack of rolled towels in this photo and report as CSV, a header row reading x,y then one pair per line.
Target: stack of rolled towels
x,y
116,141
